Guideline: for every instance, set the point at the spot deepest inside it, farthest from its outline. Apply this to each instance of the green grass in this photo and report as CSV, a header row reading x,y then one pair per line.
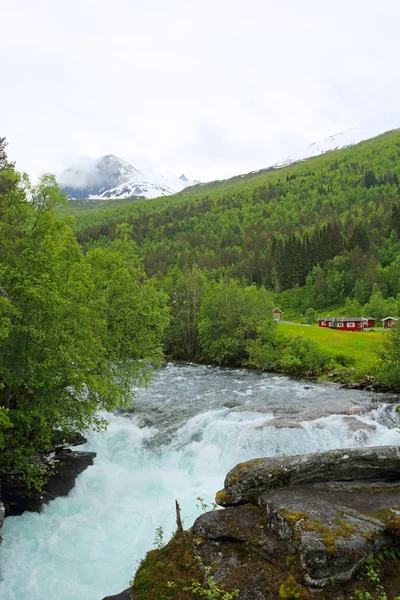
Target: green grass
x,y
359,347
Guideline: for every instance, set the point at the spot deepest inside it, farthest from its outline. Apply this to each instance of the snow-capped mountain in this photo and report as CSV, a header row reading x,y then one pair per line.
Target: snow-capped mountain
x,y
111,177
345,138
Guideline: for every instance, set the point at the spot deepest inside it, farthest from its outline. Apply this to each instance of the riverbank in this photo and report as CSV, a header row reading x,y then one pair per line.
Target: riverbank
x,y
351,359
185,432
357,349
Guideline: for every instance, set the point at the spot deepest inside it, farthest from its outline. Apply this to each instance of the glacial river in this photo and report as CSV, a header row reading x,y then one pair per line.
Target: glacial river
x,y
178,443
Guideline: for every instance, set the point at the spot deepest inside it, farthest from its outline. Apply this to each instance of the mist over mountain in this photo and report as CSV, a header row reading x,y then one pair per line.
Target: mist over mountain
x,y
110,177
343,139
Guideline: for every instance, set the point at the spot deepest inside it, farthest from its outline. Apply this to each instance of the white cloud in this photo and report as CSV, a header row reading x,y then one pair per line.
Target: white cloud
x,y
209,88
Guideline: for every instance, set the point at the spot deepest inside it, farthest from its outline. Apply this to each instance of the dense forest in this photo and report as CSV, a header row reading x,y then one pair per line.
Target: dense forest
x,y
327,228
77,330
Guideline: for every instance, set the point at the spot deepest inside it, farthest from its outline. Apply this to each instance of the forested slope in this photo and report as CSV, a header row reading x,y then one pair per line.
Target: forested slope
x,y
339,211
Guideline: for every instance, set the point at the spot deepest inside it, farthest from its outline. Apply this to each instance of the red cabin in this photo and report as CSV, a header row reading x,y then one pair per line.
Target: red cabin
x,y
347,324
369,322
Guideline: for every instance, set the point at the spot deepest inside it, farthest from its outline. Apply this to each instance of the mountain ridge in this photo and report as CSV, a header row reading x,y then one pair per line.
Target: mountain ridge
x,y
110,177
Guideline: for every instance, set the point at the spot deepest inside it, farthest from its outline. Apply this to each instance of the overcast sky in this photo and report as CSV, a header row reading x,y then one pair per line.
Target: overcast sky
x,y
211,88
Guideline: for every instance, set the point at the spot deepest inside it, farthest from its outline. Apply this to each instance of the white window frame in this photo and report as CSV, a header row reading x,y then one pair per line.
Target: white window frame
x,y
351,323
340,324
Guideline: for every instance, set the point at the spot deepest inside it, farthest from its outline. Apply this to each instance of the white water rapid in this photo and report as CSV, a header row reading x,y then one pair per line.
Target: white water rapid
x,y
179,442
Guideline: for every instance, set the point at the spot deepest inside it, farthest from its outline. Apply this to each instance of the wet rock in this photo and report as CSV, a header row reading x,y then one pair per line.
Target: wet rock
x,y
340,407
245,482
66,465
231,404
72,439
259,408
283,423
354,424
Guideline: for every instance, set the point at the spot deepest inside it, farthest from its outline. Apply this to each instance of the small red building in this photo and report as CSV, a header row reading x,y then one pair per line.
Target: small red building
x,y
390,322
347,324
369,322
277,314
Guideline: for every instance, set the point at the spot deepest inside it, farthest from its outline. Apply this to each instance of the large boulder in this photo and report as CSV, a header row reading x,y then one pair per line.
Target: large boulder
x,y
294,527
248,480
66,465
325,513
332,527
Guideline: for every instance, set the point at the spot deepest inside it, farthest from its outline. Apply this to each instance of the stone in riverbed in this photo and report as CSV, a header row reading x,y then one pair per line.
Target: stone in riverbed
x,y
231,404
282,423
356,425
67,465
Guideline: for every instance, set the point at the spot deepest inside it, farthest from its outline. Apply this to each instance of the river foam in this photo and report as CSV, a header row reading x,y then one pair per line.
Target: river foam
x,y
178,443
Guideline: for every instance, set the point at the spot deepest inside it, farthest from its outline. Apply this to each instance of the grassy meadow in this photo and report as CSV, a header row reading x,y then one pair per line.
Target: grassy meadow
x,y
359,347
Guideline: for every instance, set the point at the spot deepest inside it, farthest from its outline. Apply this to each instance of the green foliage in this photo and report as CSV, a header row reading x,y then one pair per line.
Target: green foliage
x,y
210,590
374,576
159,538
378,307
76,332
185,290
389,352
291,589
310,316
230,317
300,355
273,227
204,506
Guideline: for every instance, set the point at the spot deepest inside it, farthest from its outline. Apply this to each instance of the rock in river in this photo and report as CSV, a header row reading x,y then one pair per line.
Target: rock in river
x,y
66,464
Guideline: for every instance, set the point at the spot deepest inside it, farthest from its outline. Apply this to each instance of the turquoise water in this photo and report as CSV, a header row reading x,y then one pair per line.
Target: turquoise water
x,y
179,443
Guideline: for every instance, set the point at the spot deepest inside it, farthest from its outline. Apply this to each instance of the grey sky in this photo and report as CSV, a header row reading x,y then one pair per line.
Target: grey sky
x,y
211,88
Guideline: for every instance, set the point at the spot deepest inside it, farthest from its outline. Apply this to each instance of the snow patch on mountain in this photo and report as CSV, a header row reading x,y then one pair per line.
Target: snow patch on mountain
x,y
111,177
345,138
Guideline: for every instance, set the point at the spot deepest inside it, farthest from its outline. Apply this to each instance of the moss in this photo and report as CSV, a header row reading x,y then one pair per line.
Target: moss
x,y
233,479
383,514
173,563
377,490
293,517
393,526
291,589
223,498
329,535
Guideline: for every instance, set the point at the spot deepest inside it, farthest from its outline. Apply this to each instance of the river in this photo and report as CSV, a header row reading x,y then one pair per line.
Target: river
x,y
177,443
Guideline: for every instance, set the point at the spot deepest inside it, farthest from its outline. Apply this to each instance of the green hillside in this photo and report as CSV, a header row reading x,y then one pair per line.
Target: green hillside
x,y
339,211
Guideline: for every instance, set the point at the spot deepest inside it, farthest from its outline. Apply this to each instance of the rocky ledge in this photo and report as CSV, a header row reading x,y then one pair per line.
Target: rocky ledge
x,y
66,465
298,526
